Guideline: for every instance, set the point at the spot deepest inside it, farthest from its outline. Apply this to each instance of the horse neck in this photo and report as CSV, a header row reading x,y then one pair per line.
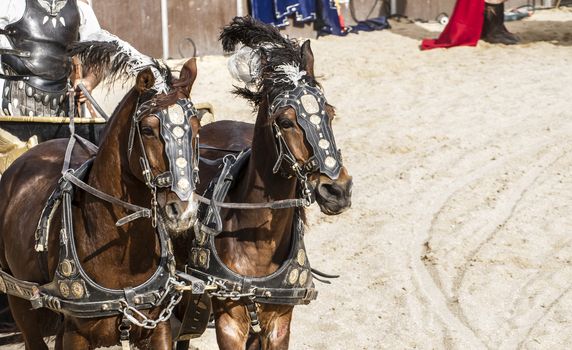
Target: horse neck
x,y
110,171
263,236
132,248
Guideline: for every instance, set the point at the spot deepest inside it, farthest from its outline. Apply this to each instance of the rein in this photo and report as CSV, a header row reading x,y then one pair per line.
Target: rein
x,y
280,204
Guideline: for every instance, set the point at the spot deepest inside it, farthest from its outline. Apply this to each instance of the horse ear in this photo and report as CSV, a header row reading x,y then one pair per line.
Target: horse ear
x,y
189,73
145,80
308,58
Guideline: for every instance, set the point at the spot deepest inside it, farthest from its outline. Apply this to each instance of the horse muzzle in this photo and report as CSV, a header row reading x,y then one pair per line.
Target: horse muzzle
x,y
334,197
178,215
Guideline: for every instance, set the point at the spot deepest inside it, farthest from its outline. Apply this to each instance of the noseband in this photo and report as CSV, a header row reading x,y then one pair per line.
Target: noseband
x,y
309,105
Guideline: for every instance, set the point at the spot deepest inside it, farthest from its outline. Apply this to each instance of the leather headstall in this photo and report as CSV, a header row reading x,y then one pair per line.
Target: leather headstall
x,y
177,135
309,104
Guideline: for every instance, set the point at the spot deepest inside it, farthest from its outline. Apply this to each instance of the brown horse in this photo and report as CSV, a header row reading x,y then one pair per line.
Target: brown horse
x,y
264,270
132,155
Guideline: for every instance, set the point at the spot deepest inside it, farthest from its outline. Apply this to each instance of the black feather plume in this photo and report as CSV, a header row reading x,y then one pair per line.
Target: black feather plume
x,y
274,49
106,60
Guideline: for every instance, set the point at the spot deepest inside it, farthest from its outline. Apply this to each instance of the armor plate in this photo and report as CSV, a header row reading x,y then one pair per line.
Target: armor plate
x,y
46,34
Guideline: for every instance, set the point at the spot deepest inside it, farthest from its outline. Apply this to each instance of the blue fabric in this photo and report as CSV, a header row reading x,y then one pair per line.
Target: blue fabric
x,y
305,10
329,22
324,12
276,12
263,10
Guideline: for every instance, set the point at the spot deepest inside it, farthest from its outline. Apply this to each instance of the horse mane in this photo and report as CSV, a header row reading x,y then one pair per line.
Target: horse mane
x,y
279,57
107,59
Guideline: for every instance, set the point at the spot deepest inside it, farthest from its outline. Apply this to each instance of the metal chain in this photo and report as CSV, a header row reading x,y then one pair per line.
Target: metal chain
x,y
303,178
221,292
130,312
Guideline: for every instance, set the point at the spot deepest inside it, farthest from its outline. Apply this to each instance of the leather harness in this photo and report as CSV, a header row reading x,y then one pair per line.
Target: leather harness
x,y
72,291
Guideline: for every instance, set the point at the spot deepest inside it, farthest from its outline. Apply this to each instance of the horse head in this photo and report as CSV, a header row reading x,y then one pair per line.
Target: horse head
x,y
302,125
280,81
163,144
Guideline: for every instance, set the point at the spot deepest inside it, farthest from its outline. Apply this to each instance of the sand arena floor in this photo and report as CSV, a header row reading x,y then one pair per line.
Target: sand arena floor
x,y
460,233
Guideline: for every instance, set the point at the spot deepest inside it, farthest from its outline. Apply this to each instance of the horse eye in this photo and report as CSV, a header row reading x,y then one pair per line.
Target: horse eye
x,y
285,123
147,131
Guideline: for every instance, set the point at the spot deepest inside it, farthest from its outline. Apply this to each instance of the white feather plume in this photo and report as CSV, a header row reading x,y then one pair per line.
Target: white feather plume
x,y
137,61
244,65
290,73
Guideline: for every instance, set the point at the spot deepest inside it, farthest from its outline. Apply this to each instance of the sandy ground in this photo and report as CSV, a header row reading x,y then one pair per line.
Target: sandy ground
x,y
459,236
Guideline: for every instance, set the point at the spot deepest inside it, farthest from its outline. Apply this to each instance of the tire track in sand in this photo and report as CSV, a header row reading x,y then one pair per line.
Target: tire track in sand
x,y
426,279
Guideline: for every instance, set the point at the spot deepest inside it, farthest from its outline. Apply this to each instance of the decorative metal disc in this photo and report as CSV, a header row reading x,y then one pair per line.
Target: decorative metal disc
x,y
64,290
316,120
324,144
178,132
183,184
293,276
181,162
330,162
203,258
303,277
176,115
66,268
77,290
310,104
301,257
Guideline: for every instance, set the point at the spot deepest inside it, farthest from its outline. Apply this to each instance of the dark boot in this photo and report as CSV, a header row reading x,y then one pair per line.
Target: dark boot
x,y
494,31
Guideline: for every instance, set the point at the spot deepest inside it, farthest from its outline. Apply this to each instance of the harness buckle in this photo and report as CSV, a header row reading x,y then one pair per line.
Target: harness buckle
x,y
124,329
254,321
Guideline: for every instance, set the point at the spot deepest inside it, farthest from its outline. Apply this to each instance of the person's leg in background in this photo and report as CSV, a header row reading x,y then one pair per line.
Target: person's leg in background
x,y
494,30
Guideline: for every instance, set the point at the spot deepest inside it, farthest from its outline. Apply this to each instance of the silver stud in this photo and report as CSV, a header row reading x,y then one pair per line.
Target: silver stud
x,y
324,144
178,132
314,119
303,278
330,162
29,91
310,103
183,184
181,162
293,276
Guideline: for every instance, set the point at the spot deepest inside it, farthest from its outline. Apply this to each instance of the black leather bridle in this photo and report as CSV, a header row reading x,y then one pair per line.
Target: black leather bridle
x,y
177,135
309,105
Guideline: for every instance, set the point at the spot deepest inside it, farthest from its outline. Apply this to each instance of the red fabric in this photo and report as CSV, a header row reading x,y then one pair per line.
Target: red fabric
x,y
464,27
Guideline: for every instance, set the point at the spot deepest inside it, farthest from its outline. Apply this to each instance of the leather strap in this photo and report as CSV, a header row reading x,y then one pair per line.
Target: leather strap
x,y
15,52
14,77
93,101
280,204
140,211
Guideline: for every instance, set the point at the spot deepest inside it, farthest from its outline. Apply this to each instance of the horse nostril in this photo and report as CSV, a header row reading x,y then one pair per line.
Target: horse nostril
x,y
172,211
330,190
